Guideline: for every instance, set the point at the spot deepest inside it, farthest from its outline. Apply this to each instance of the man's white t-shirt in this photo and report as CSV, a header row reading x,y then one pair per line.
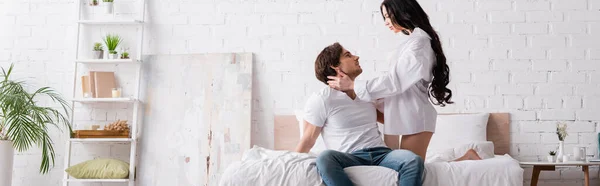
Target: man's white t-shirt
x,y
347,125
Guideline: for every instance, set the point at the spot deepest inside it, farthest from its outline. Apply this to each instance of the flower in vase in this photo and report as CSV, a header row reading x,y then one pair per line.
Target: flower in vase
x,y
561,131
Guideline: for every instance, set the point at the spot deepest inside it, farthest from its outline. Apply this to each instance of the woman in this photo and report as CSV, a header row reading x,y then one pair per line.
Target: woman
x,y
419,73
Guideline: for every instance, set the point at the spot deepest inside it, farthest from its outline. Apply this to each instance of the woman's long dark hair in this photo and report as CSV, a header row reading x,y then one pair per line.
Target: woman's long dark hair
x,y
410,15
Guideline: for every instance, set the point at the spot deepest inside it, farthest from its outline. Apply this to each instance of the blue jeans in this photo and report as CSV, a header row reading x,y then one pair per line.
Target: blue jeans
x,y
331,164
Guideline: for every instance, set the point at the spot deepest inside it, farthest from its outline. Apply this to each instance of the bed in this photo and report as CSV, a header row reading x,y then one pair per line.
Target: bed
x,y
281,166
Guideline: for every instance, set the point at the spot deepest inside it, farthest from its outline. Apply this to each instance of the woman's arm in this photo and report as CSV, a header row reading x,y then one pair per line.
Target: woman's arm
x,y
311,133
407,70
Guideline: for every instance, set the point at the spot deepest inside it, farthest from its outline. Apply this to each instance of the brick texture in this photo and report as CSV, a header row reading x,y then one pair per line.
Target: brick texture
x,y
538,60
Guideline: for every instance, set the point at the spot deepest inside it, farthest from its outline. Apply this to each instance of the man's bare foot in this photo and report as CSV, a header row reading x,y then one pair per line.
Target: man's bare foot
x,y
469,155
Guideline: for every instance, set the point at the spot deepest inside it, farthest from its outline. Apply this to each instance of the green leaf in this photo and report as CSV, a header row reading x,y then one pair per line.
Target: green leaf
x,y
112,41
25,123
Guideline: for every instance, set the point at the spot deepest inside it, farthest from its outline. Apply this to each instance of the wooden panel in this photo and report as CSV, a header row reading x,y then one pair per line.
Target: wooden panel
x,y
287,133
197,118
498,132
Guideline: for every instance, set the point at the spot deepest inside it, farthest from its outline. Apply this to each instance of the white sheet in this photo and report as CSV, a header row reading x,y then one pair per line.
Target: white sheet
x,y
485,150
277,168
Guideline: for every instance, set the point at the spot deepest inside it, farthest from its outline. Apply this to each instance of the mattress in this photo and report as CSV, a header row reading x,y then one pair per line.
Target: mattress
x,y
265,167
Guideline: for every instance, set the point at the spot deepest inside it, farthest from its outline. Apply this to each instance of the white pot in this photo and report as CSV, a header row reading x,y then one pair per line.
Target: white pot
x,y
6,162
551,159
109,7
113,56
98,54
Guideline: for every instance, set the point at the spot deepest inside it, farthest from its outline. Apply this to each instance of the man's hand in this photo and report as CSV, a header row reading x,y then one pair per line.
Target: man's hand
x,y
341,82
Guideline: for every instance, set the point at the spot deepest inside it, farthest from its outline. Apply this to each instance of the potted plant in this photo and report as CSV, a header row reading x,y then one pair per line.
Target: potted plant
x,y
98,51
94,3
111,42
24,123
561,132
109,6
125,55
552,156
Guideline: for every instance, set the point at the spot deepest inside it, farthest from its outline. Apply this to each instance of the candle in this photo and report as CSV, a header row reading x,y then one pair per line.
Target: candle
x,y
116,93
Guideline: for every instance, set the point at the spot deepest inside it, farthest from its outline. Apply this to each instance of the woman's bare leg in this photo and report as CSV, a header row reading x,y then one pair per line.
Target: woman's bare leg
x,y
417,143
469,155
392,141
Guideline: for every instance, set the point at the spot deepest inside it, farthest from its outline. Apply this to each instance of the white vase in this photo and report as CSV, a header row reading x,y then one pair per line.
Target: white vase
x,y
108,7
6,162
113,56
560,153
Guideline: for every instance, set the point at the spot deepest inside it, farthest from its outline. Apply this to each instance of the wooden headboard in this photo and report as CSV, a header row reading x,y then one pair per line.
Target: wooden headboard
x,y
287,133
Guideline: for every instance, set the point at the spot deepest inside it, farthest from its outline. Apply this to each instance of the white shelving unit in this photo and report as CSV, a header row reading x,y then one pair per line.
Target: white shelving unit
x,y
133,140
111,22
108,61
104,100
99,180
101,140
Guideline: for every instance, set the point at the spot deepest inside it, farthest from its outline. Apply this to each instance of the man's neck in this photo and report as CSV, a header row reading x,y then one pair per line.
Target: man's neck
x,y
352,77
351,93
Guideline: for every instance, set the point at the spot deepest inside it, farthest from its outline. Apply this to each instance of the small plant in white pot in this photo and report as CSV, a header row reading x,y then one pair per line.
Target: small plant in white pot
x,y
552,156
108,4
112,42
125,55
24,123
94,3
98,51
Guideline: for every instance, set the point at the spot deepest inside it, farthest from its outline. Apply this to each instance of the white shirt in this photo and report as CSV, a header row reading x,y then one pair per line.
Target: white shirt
x,y
407,109
347,125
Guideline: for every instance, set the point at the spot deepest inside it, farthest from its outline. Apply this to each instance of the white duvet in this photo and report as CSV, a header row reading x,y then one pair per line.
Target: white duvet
x,y
264,167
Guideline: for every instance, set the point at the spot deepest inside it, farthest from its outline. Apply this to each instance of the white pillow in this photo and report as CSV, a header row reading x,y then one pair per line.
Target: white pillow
x,y
457,129
319,144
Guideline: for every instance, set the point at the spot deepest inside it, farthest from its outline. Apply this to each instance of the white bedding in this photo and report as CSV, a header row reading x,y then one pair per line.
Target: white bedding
x,y
266,167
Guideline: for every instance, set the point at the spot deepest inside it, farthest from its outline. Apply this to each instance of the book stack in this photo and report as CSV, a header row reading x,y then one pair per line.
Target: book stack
x,y
98,84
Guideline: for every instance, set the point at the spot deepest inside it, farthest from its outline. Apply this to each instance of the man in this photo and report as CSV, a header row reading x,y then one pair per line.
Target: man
x,y
349,127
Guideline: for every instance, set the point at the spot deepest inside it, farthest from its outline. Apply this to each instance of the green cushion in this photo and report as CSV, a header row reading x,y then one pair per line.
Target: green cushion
x,y
100,169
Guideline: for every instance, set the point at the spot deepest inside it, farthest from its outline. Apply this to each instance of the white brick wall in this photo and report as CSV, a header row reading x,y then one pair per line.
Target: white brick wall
x,y
485,6
538,60
543,16
530,28
568,28
532,5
